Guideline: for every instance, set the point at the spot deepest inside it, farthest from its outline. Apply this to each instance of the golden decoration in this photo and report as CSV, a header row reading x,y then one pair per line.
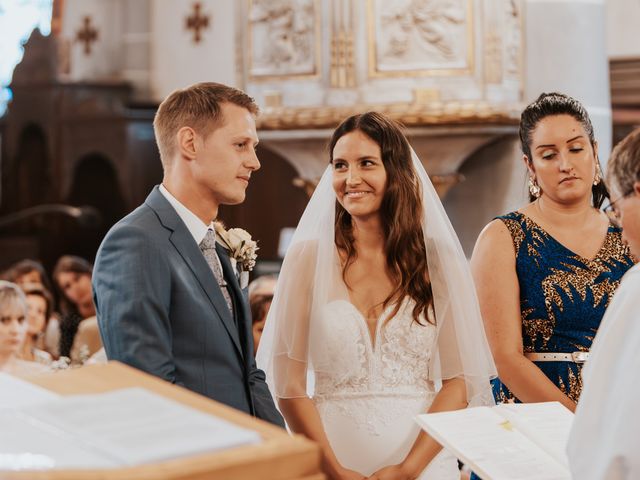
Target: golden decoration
x,y
414,114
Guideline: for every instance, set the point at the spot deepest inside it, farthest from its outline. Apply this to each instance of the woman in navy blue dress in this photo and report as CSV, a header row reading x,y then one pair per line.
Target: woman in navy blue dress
x,y
546,273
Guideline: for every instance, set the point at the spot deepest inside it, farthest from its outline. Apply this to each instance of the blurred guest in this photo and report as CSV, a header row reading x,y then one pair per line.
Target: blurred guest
x,y
263,285
13,330
260,296
39,304
28,271
31,272
604,438
79,334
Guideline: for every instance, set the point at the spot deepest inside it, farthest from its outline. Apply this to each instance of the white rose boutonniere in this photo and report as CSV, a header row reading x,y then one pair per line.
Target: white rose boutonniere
x,y
242,250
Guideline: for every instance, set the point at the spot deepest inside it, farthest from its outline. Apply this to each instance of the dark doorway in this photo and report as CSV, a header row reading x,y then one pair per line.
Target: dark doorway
x,y
95,183
33,169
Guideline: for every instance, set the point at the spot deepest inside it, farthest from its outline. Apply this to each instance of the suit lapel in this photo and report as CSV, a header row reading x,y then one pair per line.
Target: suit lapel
x,y
186,246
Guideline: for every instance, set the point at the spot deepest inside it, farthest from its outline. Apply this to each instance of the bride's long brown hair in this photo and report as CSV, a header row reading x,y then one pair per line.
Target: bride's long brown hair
x,y
401,212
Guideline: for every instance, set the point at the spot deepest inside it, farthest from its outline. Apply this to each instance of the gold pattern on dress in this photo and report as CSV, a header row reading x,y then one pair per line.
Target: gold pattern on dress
x,y
538,239
561,384
602,289
589,340
515,229
562,281
535,328
577,278
575,385
505,396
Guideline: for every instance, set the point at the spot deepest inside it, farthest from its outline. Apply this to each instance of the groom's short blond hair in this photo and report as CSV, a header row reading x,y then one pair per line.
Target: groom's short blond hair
x,y
198,107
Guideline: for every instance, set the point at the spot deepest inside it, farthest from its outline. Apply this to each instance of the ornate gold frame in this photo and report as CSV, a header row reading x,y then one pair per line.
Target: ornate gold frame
x,y
292,76
469,70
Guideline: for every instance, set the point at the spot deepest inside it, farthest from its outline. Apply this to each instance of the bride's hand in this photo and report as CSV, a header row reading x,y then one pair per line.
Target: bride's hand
x,y
392,472
346,474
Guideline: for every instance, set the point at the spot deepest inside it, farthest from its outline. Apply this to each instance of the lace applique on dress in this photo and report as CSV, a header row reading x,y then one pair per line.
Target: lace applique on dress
x,y
373,384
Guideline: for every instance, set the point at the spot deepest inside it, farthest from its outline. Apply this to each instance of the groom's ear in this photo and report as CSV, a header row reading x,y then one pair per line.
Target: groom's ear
x,y
186,142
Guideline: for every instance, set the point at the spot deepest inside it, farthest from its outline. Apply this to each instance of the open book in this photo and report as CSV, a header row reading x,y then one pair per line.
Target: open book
x,y
524,441
120,428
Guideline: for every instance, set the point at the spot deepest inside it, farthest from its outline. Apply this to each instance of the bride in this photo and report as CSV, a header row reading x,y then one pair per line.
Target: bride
x,y
375,296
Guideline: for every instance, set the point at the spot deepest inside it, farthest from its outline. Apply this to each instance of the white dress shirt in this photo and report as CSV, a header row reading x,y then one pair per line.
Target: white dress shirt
x,y
196,227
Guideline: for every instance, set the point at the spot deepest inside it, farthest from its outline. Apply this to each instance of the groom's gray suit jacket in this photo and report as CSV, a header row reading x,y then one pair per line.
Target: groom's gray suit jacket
x,y
161,310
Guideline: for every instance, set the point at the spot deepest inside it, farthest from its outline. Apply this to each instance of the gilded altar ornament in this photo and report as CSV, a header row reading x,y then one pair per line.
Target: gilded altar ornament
x,y
410,114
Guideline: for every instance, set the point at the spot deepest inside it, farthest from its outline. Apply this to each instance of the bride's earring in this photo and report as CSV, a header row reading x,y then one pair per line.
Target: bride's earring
x,y
534,188
598,178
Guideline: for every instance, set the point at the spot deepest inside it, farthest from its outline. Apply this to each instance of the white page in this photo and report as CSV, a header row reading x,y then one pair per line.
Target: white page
x,y
496,451
15,392
27,444
548,424
135,426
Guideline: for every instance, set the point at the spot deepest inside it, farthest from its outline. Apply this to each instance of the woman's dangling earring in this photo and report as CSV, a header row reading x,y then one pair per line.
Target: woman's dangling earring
x,y
534,188
598,178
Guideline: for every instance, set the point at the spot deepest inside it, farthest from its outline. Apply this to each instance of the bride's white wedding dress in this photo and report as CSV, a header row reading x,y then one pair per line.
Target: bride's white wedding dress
x,y
370,393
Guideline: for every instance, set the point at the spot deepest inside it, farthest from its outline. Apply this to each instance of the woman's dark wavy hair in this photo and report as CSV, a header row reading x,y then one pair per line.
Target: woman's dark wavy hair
x,y
546,105
25,266
405,251
69,263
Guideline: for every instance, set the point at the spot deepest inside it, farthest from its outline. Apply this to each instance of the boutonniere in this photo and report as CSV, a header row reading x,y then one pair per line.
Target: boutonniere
x,y
242,250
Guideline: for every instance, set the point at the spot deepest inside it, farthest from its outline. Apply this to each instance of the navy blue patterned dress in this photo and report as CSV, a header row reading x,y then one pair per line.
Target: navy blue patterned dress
x,y
563,297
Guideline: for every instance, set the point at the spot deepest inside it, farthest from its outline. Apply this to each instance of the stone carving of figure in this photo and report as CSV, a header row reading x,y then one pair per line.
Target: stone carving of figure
x,y
283,35
430,22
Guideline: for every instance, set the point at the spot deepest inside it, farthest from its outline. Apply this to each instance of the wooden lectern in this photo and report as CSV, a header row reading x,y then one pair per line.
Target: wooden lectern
x,y
279,456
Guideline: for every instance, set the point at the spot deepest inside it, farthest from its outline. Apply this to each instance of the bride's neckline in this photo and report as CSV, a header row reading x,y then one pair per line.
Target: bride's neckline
x,y
372,340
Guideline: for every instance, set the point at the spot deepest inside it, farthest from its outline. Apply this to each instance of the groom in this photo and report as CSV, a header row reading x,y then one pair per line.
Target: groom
x,y
167,297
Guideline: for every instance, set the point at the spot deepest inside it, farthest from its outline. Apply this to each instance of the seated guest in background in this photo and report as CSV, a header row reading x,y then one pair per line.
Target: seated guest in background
x,y
546,272
263,285
13,329
31,272
260,295
79,334
28,271
39,303
604,439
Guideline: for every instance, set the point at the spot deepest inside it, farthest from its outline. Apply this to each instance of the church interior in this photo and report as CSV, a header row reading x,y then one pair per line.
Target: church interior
x,y
81,82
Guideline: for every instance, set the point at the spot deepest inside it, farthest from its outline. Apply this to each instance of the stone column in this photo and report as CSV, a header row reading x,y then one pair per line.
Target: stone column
x,y
566,52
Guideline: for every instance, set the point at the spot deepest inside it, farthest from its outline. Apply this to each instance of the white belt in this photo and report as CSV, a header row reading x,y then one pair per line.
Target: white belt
x,y
577,357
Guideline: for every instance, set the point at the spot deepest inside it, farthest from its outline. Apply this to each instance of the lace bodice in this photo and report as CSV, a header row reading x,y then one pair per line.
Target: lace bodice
x,y
396,362
368,392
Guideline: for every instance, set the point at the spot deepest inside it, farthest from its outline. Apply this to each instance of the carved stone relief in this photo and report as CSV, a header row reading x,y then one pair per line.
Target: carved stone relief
x,y
493,57
422,61
420,35
283,35
503,41
513,37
